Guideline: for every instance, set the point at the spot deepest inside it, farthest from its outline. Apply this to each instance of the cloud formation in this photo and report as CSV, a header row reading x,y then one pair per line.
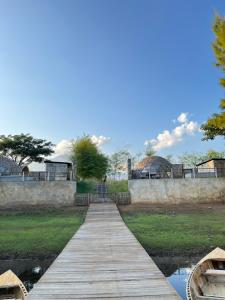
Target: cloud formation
x,y
100,140
63,148
168,138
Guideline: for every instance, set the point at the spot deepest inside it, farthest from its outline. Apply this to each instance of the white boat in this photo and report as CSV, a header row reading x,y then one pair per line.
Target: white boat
x,y
207,279
11,287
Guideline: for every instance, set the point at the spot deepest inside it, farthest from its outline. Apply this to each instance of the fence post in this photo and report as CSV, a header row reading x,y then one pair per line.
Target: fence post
x,y
194,175
23,176
216,174
129,171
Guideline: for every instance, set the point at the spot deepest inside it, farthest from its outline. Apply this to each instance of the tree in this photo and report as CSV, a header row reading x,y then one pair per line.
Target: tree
x,y
136,158
215,126
150,151
214,154
118,162
191,159
24,149
90,162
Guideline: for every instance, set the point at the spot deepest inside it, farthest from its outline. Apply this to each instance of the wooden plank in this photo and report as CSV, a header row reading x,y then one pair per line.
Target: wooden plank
x,y
103,260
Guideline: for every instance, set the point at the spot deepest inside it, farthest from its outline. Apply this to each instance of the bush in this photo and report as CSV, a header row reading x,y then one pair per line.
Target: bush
x,y
86,186
116,186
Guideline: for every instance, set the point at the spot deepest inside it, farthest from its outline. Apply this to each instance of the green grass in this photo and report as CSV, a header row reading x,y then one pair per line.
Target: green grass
x,y
116,186
179,233
40,232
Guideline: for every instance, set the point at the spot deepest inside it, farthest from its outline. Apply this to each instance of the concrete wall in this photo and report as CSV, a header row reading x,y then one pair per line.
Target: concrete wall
x,y
188,190
42,193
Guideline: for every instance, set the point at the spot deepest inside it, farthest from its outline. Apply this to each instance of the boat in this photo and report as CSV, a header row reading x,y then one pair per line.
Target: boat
x,y
207,279
11,287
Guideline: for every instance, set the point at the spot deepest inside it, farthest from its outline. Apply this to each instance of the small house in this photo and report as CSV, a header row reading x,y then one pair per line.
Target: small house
x,y
214,167
59,170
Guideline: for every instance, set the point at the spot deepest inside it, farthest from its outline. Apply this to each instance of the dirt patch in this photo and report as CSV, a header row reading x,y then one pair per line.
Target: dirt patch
x,y
28,255
42,209
173,208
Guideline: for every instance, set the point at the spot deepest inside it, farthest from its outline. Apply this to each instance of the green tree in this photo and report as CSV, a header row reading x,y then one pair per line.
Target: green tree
x,y
215,126
24,149
214,154
90,162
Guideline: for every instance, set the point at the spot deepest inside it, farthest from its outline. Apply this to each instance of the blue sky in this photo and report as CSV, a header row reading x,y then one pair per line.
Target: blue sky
x,y
124,69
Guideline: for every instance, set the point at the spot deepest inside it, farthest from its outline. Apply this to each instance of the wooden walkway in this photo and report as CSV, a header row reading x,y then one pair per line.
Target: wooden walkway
x,y
103,260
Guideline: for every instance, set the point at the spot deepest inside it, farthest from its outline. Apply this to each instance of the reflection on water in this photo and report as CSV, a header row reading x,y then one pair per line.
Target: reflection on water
x,y
178,280
176,269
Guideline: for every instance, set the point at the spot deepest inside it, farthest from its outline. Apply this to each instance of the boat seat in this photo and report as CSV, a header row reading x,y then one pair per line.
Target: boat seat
x,y
214,272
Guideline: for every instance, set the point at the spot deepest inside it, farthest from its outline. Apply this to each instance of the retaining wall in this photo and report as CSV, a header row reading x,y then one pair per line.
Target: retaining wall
x,y
37,193
188,190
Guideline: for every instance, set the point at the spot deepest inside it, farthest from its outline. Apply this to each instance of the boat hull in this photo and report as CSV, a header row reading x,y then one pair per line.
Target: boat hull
x,y
207,279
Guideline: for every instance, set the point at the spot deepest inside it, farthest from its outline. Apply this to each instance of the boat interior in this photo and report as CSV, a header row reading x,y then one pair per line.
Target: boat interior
x,y
209,280
11,293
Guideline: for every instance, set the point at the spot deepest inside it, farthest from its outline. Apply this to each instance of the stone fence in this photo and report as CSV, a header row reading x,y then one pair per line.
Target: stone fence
x,y
34,193
188,190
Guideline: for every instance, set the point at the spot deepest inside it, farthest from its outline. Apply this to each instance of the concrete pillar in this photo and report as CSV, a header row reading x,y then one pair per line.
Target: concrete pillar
x,y
129,171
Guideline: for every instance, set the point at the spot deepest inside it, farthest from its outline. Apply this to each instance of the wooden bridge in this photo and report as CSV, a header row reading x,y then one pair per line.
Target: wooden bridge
x,y
103,260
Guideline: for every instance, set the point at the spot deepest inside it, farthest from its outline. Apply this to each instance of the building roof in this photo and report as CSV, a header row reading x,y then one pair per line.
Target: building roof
x,y
153,160
204,162
9,165
58,162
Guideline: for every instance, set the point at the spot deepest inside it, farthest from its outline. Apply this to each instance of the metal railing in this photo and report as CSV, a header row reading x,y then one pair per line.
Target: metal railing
x,y
185,173
36,176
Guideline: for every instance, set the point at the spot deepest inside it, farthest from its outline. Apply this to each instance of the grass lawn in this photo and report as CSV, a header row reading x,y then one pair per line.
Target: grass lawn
x,y
180,229
39,232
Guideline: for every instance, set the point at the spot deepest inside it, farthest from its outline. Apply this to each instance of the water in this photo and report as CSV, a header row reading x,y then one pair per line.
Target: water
x,y
176,269
178,280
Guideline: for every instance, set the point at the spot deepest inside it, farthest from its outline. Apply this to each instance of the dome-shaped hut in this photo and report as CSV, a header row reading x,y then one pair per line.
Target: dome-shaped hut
x,y
154,167
8,166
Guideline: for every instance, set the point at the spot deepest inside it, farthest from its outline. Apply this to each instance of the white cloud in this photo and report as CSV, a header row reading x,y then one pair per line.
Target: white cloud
x,y
183,118
168,138
63,148
100,140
